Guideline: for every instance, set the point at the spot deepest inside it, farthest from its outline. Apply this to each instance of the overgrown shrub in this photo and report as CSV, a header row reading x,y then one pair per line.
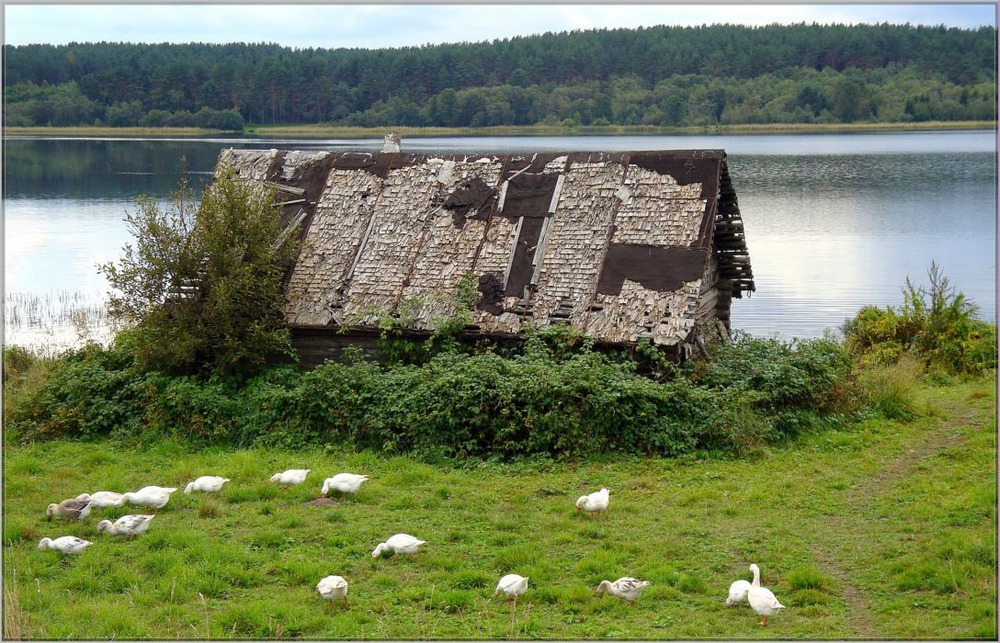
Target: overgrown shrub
x,y
188,407
335,402
788,384
555,396
86,393
460,405
485,405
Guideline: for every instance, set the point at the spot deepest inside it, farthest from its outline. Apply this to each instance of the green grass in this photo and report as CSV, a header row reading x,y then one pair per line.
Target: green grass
x,y
124,132
877,530
335,131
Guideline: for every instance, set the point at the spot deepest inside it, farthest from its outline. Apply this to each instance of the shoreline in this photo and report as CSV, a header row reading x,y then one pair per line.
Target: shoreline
x,y
327,131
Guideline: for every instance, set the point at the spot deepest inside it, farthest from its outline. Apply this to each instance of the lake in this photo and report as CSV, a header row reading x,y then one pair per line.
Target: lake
x,y
833,222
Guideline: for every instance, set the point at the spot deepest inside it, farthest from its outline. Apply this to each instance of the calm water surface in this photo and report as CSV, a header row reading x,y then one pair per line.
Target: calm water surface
x,y
833,222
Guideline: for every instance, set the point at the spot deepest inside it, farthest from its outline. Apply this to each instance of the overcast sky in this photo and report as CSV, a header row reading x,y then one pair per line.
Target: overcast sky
x,y
374,26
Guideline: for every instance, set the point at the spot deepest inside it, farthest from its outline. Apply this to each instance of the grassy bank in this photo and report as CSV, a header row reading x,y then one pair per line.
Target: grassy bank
x,y
323,131
874,530
328,131
117,132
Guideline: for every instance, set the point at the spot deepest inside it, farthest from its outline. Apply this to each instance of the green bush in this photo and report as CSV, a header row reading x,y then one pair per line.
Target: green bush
x,y
937,325
202,287
191,408
555,396
457,405
332,403
774,376
86,393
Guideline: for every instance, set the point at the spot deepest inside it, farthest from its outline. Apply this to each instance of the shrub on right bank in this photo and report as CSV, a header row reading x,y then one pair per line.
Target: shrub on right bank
x,y
936,325
771,388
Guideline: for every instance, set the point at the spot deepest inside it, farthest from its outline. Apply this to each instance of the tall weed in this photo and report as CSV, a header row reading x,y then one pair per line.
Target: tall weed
x,y
16,623
936,324
889,389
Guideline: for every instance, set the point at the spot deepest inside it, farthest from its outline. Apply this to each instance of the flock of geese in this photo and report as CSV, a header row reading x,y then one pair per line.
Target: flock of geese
x,y
333,587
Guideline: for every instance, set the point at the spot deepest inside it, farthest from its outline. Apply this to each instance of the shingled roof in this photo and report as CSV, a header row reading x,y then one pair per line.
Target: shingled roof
x,y
621,246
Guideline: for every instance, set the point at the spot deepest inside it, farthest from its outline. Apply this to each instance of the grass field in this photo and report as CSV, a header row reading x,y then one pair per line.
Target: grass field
x,y
878,530
332,131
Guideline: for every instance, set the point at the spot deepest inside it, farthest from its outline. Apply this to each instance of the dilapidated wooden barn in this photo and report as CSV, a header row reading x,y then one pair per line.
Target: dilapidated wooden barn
x,y
621,246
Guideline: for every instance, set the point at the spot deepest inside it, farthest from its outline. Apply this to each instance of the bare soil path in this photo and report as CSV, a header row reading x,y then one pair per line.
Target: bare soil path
x,y
836,549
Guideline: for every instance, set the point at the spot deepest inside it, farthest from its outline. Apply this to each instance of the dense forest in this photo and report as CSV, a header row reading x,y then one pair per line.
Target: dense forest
x,y
662,76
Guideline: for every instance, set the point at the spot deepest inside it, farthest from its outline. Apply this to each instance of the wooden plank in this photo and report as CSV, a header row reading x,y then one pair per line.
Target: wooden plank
x,y
291,189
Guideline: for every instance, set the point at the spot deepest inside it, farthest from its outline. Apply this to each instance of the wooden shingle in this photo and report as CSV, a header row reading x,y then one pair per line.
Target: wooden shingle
x,y
621,246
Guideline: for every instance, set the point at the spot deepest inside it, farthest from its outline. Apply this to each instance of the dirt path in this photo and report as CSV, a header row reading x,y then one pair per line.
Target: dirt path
x,y
829,551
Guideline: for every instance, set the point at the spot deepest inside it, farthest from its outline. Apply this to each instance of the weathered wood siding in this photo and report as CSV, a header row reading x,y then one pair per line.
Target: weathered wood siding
x,y
577,240
316,294
449,245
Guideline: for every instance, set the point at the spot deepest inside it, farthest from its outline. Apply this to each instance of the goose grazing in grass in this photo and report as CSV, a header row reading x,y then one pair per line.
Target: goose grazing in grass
x,y
512,585
333,587
64,544
101,499
738,592
596,502
151,496
627,589
761,599
292,476
344,483
398,544
74,509
208,484
131,525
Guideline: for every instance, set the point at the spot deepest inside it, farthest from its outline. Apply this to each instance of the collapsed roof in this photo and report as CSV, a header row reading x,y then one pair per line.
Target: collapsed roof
x,y
621,246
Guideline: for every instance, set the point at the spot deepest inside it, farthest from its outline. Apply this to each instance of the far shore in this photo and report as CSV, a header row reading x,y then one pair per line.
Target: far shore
x,y
329,131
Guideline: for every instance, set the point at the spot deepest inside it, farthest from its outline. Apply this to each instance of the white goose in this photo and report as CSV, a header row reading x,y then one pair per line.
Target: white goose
x,y
333,587
627,589
761,599
101,499
738,592
513,585
64,544
292,476
344,483
151,496
208,484
596,502
398,544
130,525
73,508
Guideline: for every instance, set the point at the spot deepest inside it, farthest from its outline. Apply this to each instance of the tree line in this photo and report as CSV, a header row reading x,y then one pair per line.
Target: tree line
x,y
661,76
